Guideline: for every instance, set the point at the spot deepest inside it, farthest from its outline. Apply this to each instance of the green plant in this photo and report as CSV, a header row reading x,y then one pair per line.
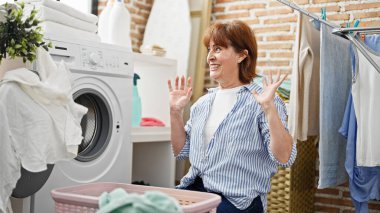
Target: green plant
x,y
20,35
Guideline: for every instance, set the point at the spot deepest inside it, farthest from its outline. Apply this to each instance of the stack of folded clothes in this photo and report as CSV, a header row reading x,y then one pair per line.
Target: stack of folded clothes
x,y
59,19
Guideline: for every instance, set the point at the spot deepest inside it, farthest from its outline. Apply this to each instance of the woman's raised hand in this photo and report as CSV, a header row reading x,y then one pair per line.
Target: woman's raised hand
x,y
269,89
181,94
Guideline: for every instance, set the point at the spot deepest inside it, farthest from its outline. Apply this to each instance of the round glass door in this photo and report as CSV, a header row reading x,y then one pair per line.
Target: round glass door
x,y
96,124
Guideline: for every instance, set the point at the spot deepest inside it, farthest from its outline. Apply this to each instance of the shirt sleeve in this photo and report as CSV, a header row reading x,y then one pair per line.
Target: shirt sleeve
x,y
264,128
184,153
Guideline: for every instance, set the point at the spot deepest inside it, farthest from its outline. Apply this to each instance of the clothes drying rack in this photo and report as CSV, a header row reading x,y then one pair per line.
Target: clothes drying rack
x,y
343,32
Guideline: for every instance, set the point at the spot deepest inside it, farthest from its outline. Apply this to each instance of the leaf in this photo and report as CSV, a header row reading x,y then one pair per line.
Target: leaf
x,y
20,35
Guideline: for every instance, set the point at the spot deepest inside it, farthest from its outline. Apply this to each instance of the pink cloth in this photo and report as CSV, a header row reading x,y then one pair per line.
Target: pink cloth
x,y
151,122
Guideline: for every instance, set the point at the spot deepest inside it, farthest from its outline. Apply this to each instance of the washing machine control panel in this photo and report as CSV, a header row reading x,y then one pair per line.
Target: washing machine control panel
x,y
99,58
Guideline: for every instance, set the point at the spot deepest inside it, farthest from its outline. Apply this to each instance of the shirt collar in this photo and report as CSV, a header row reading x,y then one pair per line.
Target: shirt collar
x,y
246,87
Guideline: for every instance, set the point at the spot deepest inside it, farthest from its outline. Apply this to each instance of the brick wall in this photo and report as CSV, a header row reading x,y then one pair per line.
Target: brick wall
x,y
275,27
337,200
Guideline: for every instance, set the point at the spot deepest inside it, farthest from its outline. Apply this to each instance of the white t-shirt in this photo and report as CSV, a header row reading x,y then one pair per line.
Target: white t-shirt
x,y
224,100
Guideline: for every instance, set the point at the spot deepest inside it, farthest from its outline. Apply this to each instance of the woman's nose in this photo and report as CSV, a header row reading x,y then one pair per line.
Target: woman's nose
x,y
210,56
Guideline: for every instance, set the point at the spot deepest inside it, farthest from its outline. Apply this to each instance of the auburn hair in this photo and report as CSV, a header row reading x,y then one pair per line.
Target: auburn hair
x,y
241,37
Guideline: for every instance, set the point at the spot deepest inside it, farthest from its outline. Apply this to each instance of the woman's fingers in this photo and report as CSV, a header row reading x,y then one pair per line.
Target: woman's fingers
x,y
269,80
188,82
264,80
180,84
283,78
270,77
182,87
170,85
176,83
278,75
189,92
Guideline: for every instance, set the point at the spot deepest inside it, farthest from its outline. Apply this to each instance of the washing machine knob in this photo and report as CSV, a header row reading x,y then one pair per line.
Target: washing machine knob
x,y
94,58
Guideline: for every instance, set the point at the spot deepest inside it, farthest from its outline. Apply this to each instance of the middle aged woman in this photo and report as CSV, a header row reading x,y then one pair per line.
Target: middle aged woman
x,y
236,135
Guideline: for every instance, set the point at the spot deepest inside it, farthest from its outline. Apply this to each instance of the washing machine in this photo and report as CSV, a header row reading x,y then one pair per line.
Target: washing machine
x,y
102,82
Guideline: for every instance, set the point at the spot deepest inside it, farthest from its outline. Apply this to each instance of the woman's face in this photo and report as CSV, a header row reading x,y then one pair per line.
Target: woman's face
x,y
223,63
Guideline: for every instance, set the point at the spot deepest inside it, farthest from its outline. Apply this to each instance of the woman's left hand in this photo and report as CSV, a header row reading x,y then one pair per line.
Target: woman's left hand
x,y
265,99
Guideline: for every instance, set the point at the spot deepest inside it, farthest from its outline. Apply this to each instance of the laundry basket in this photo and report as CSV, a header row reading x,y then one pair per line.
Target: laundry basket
x,y
84,198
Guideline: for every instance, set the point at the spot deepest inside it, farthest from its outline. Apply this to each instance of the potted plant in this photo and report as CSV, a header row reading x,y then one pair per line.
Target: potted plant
x,y
20,36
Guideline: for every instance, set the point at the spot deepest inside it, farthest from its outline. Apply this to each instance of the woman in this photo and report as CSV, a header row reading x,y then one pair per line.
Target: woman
x,y
236,135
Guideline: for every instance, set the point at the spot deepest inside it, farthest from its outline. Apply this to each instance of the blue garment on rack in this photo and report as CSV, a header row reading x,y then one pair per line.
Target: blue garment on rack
x,y
364,182
335,81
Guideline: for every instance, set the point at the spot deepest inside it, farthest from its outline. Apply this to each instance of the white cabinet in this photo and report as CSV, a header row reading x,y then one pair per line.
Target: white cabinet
x,y
153,160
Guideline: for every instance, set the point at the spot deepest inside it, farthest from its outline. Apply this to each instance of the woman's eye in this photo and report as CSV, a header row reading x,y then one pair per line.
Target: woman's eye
x,y
218,49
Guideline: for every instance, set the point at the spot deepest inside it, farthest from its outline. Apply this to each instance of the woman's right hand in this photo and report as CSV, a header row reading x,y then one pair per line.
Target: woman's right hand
x,y
180,96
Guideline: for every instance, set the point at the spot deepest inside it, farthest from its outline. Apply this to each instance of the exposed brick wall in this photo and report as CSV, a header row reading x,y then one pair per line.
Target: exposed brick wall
x,y
275,24
139,10
337,200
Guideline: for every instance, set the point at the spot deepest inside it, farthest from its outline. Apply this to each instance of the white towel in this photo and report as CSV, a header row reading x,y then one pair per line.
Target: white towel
x,y
93,19
49,14
52,28
9,164
45,125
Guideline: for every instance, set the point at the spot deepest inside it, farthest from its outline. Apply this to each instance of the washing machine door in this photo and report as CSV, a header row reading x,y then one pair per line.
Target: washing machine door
x,y
96,124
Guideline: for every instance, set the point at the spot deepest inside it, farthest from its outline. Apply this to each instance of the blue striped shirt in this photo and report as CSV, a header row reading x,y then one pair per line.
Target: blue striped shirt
x,y
238,161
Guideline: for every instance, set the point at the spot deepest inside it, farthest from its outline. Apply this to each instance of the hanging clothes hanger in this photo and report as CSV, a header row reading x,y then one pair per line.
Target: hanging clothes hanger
x,y
343,32
357,29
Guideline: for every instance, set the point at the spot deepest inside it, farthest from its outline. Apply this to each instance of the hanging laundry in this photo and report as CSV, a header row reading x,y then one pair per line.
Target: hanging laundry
x,y
365,89
303,118
45,120
335,81
40,122
9,163
364,182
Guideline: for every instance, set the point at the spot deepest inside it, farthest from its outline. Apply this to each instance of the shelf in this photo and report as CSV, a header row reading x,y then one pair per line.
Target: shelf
x,y
153,89
150,134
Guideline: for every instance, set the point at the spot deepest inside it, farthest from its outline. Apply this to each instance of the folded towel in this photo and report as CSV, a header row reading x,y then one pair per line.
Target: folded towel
x,y
52,28
49,14
93,19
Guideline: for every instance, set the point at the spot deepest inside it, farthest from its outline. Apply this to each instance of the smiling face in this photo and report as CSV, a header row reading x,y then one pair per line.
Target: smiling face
x,y
232,52
224,65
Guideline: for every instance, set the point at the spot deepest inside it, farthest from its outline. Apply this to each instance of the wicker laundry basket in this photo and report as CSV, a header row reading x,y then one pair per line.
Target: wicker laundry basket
x,y
293,189
84,198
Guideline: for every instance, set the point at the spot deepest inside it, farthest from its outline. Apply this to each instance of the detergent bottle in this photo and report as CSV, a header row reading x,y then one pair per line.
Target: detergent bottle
x,y
103,23
136,103
120,25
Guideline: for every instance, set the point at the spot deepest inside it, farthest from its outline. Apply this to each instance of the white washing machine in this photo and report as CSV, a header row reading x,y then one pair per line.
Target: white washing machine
x,y
102,82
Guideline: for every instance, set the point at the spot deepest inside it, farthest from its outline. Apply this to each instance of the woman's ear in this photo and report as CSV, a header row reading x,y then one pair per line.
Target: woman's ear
x,y
242,55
